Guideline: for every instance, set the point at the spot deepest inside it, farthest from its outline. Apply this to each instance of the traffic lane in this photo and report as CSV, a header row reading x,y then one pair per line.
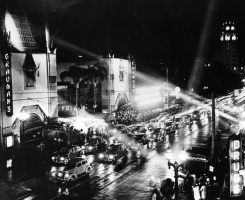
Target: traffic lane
x,y
135,183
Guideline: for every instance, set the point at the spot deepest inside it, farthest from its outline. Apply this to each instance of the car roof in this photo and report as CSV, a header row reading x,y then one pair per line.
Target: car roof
x,y
116,144
139,133
120,125
95,137
77,159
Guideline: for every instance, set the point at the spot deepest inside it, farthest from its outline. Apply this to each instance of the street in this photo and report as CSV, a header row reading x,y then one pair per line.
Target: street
x,y
129,181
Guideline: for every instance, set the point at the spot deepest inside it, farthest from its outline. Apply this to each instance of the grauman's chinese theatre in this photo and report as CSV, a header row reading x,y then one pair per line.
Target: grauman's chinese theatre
x,y
115,89
28,81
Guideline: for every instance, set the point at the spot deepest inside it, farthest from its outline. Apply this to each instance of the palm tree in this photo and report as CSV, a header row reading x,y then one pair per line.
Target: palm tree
x,y
92,75
96,74
77,74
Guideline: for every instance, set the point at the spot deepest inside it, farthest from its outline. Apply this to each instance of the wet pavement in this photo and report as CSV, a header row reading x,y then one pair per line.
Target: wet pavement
x,y
106,181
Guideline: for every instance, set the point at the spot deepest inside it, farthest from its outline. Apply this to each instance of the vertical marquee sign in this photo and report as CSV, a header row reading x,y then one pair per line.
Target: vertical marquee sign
x,y
133,69
235,155
8,84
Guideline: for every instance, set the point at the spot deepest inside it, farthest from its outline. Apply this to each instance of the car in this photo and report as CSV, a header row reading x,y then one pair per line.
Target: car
x,y
66,154
141,138
169,127
113,153
196,115
178,121
157,134
137,128
122,127
95,144
74,169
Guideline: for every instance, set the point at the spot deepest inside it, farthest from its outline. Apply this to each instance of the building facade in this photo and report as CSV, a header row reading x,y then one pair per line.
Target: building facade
x,y
117,87
227,53
28,81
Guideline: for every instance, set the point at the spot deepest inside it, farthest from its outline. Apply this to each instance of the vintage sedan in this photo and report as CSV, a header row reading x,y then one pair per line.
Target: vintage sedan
x,y
74,168
113,153
141,138
122,128
94,145
157,134
137,128
66,154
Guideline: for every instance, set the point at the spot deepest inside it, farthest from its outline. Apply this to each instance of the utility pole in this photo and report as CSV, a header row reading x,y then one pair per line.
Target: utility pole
x,y
213,126
167,86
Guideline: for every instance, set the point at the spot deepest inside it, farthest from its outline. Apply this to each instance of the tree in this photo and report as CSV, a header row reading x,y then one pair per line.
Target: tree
x,y
92,75
77,74
96,74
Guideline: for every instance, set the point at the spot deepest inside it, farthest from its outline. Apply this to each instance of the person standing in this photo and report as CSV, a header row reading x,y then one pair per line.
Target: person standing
x,y
203,191
196,191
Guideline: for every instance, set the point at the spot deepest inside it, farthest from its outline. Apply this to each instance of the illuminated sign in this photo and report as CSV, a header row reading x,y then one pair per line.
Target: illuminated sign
x,y
235,154
8,85
133,68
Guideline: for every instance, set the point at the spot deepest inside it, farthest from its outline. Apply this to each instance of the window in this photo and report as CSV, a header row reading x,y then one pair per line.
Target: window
x,y
83,163
79,164
52,79
121,75
29,69
30,79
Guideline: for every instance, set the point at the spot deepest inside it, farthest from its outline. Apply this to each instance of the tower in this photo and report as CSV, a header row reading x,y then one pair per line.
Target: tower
x,y
227,53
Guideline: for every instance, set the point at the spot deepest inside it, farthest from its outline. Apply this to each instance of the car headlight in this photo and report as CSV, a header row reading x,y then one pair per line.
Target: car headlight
x,y
66,176
90,148
135,132
111,156
101,156
53,158
62,158
83,147
60,174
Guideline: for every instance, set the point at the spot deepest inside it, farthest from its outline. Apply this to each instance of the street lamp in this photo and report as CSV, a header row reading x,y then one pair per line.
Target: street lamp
x,y
23,117
176,166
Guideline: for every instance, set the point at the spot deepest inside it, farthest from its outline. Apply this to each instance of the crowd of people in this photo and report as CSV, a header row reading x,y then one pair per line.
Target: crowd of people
x,y
126,115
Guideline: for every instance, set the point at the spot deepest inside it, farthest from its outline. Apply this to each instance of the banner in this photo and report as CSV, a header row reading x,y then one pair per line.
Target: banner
x,y
8,85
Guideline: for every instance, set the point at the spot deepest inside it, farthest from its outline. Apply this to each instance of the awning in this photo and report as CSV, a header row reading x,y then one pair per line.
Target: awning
x,y
198,154
37,117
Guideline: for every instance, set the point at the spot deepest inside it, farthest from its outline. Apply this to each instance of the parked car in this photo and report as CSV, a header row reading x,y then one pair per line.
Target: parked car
x,y
122,127
113,153
95,144
137,128
74,169
157,134
196,115
178,121
66,154
141,138
169,127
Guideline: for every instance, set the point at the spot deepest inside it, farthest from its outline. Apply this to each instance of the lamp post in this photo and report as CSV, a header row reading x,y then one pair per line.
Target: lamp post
x,y
23,117
176,166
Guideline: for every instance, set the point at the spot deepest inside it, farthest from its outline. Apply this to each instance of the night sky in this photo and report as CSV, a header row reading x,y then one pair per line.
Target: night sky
x,y
158,30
